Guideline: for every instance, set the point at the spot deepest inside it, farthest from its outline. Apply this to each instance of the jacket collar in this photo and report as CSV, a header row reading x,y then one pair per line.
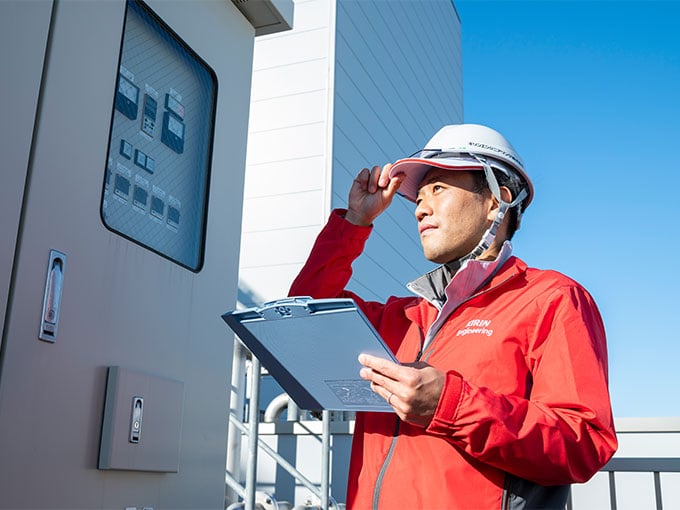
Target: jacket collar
x,y
422,313
458,281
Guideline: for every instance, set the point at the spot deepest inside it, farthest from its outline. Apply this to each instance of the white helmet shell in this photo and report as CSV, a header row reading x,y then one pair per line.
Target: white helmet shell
x,y
451,148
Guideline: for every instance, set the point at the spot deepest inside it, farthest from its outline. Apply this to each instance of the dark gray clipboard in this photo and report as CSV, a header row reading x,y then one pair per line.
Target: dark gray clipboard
x,y
311,346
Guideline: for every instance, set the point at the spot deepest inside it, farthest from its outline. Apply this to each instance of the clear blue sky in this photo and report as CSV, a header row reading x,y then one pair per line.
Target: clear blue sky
x,y
589,94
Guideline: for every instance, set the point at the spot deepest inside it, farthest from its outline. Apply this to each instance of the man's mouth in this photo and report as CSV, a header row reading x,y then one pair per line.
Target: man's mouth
x,y
423,227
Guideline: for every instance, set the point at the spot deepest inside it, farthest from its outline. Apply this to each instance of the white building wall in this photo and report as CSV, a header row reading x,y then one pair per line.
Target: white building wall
x,y
287,162
355,83
398,79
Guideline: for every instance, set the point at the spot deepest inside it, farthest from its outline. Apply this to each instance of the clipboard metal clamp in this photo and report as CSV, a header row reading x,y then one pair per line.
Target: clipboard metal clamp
x,y
299,306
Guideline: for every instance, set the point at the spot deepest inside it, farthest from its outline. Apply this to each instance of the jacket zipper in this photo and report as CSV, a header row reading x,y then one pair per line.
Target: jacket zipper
x,y
393,444
421,351
386,463
505,499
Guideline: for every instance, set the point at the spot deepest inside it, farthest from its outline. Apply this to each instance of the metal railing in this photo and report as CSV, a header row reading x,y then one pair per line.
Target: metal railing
x,y
656,466
652,465
248,492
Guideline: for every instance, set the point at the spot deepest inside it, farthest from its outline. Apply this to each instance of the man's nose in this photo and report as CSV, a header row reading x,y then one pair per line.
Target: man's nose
x,y
423,209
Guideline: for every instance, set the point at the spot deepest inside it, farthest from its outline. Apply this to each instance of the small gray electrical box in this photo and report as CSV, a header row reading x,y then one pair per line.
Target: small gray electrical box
x,y
142,423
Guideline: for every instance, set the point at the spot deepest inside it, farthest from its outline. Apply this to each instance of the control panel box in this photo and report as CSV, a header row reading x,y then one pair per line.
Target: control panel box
x,y
160,148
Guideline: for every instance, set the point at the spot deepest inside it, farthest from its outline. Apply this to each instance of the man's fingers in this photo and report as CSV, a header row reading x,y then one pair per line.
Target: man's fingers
x,y
362,178
378,379
377,178
374,179
385,176
383,386
394,184
384,366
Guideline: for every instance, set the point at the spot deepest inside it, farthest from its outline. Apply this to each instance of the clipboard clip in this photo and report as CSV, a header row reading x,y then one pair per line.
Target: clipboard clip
x,y
285,308
287,300
299,306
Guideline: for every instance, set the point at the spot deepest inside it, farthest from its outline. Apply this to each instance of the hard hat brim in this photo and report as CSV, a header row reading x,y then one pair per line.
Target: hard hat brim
x,y
414,169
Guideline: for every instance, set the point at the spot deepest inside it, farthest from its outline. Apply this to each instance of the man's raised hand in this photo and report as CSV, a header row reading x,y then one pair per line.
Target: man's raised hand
x,y
371,193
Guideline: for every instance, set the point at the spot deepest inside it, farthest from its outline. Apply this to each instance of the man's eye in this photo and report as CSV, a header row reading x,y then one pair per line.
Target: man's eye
x,y
437,187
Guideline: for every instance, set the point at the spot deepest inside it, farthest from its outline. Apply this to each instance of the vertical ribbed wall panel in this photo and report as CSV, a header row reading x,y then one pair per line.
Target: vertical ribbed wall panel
x,y
398,79
288,160
354,84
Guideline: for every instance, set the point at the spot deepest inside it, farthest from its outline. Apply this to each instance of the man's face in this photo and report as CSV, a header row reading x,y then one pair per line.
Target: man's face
x,y
452,217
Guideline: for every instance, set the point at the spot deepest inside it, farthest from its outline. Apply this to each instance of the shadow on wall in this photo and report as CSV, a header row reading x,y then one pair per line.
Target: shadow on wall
x,y
247,297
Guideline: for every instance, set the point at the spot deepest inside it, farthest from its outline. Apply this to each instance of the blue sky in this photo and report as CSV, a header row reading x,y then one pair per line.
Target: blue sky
x,y
589,94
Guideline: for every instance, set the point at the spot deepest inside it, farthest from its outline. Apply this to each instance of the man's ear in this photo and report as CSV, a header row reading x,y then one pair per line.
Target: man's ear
x,y
506,195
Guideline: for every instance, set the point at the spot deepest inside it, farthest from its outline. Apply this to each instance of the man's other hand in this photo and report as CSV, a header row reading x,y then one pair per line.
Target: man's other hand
x,y
412,389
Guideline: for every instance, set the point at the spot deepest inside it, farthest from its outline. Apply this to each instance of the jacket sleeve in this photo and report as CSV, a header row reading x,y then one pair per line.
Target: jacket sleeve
x,y
563,432
328,268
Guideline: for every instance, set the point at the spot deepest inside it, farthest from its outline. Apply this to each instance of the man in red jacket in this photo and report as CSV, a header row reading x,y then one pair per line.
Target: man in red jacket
x,y
500,398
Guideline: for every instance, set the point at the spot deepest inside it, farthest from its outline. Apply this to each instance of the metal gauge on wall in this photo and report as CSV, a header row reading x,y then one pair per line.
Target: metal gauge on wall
x,y
173,132
127,95
149,116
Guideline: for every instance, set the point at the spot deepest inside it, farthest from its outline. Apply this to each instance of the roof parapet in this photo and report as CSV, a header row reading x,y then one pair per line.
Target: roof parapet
x,y
267,16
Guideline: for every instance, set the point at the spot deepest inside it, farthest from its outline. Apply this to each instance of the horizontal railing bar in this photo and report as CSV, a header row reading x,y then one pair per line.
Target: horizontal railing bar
x,y
648,464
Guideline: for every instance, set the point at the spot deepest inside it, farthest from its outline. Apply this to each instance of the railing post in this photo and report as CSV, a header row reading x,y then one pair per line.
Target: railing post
x,y
325,458
657,490
236,401
570,503
253,431
612,491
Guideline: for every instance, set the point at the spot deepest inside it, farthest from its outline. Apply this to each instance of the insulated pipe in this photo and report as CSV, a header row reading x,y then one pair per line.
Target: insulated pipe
x,y
293,411
276,407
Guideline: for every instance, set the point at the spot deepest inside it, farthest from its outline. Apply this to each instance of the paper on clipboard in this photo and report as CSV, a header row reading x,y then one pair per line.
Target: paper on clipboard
x,y
311,346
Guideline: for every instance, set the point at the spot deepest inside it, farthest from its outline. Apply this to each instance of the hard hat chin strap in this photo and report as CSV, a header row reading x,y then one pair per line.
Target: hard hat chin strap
x,y
503,207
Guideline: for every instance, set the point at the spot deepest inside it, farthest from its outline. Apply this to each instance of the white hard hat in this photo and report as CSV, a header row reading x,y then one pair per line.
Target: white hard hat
x,y
462,147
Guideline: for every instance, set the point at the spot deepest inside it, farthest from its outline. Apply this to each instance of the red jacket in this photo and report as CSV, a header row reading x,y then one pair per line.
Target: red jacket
x,y
525,408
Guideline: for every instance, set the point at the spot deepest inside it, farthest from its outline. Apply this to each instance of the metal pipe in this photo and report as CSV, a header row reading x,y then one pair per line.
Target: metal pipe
x,y
253,424
276,407
235,485
236,402
325,458
293,411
